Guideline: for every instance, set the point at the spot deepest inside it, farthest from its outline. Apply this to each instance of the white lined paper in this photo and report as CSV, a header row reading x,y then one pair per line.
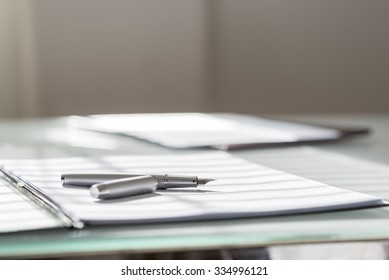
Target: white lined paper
x,y
330,168
241,189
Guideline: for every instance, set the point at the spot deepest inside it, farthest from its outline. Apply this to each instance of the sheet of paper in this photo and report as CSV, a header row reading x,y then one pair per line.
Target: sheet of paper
x,y
241,189
329,167
17,212
183,130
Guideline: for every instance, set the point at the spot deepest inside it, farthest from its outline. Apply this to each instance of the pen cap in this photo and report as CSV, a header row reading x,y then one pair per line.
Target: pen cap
x,y
124,187
87,180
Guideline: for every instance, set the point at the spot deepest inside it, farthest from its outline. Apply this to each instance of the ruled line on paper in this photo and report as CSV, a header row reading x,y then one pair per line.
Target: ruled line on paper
x,y
330,168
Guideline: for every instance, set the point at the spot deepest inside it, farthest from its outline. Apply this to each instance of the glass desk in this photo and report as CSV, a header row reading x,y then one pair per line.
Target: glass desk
x,y
259,238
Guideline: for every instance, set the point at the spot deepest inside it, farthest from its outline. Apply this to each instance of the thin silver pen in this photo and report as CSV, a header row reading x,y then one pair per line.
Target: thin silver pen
x,y
164,181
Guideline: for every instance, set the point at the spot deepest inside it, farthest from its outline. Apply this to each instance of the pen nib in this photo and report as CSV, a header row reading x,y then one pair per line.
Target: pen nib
x,y
203,181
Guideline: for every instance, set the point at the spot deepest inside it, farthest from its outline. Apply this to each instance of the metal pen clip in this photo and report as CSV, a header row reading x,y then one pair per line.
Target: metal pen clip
x,y
40,198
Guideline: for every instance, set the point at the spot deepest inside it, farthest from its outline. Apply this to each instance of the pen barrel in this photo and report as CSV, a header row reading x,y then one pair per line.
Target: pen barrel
x,y
164,181
176,181
124,187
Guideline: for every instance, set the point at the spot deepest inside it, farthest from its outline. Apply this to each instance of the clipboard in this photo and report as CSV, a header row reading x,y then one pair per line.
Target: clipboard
x,y
241,189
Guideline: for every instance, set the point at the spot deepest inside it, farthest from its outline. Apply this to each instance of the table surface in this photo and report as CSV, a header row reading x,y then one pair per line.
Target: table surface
x,y
53,138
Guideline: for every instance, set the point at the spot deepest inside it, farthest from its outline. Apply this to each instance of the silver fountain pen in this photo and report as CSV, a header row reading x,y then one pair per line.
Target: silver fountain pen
x,y
115,185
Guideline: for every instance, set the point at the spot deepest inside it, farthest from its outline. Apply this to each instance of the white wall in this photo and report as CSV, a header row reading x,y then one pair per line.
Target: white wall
x,y
8,91
254,56
18,96
100,56
297,56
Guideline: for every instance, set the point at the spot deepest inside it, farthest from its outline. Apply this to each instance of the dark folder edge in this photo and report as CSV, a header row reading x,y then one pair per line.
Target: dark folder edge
x,y
344,134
